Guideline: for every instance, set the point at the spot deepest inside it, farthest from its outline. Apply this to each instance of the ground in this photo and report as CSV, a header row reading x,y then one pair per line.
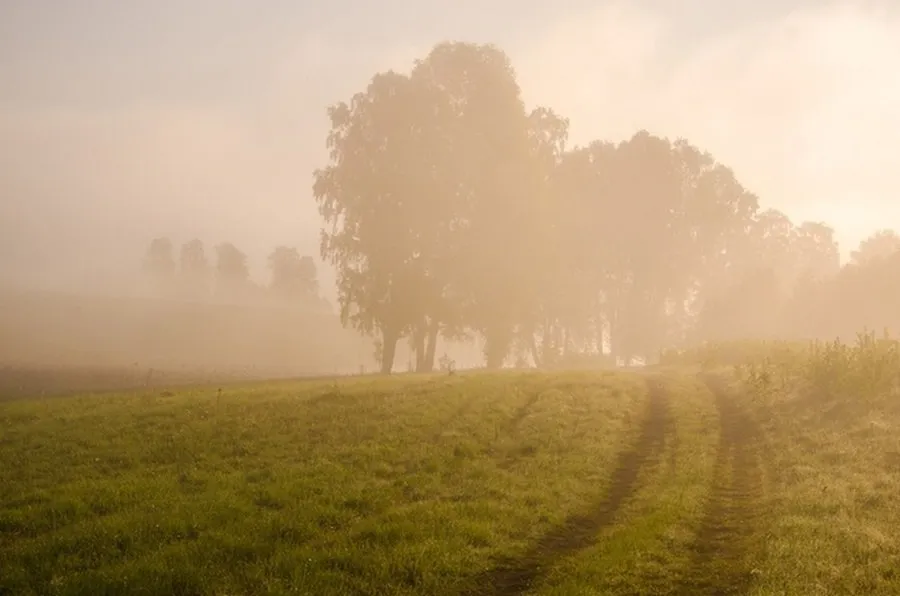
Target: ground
x,y
671,481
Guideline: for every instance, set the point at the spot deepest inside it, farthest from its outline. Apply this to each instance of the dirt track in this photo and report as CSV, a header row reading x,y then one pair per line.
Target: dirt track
x,y
580,531
720,564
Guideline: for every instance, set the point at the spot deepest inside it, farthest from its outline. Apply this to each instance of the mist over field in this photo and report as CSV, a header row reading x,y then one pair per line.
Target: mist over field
x,y
638,258
122,124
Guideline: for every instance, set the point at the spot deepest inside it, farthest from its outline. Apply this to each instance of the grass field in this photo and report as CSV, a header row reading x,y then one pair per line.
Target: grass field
x,y
670,481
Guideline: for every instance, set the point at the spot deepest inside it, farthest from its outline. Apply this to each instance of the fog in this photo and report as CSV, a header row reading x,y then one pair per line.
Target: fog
x,y
123,122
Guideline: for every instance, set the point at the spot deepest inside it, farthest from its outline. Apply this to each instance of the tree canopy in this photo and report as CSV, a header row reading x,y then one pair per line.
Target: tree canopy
x,y
452,210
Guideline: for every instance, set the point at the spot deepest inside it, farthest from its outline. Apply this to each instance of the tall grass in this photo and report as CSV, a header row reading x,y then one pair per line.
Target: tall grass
x,y
732,353
869,366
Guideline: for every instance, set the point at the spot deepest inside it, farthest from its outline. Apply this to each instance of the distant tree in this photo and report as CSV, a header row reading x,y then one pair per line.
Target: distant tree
x,y
232,273
293,276
195,268
864,294
880,245
159,263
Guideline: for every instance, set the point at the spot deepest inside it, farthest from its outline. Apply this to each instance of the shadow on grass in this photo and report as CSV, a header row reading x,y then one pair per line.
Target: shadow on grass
x,y
515,576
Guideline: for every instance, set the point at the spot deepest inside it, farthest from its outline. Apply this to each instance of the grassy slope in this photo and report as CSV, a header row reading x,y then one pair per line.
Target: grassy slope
x,y
547,484
648,552
391,486
836,512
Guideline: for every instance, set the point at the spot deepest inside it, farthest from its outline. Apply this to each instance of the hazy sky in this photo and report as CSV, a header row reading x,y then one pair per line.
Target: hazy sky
x,y
120,121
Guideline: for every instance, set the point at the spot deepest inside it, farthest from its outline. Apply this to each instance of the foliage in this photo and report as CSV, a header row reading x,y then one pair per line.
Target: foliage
x,y
159,262
195,269
293,276
882,244
232,272
449,207
867,368
452,211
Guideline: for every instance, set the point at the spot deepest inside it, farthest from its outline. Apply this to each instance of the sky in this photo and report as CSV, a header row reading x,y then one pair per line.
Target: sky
x,y
122,121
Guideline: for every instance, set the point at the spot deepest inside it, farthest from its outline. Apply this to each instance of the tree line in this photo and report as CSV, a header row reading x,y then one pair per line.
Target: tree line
x,y
192,274
450,210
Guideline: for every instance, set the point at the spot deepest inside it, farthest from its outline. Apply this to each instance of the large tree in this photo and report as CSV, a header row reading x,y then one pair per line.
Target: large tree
x,y
493,189
451,209
380,197
651,227
429,202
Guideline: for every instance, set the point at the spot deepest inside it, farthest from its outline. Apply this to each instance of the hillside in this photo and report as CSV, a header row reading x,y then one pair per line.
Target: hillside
x,y
671,481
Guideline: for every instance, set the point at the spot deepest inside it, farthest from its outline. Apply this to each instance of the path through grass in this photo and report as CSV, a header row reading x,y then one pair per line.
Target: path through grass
x,y
665,482
404,485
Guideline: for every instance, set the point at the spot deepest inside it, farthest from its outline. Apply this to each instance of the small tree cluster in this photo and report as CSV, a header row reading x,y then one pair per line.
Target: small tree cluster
x,y
293,278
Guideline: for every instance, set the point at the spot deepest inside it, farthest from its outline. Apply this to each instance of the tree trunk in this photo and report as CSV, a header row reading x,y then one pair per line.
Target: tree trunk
x,y
388,350
431,346
496,347
419,347
493,359
535,352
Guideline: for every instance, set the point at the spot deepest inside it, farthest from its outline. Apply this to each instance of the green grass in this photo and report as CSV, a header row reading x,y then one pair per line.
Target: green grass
x,y
650,550
391,486
564,483
837,479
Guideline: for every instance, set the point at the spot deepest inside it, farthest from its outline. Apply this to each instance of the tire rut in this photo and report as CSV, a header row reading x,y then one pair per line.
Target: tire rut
x,y
580,531
720,563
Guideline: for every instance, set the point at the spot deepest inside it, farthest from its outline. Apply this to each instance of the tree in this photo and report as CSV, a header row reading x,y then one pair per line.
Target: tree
x,y
582,199
816,251
490,188
655,225
428,196
772,237
751,308
643,244
195,269
450,210
880,245
232,273
556,315
293,276
378,198
862,295
159,263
